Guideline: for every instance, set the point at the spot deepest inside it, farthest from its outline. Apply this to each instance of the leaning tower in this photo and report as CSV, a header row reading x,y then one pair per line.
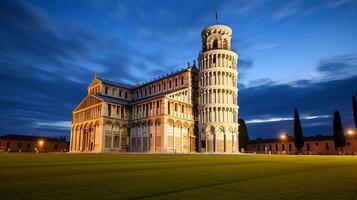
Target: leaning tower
x,y
218,107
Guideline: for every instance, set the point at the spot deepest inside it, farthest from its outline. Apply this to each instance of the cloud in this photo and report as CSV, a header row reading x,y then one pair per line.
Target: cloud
x,y
262,81
276,102
268,105
241,7
333,68
57,124
46,66
47,63
245,64
287,9
338,67
278,119
337,3
262,46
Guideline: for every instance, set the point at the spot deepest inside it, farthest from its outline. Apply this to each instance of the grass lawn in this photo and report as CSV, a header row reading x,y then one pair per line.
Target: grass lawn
x,y
137,176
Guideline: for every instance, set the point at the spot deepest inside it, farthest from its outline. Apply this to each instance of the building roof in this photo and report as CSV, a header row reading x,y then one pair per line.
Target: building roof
x,y
131,87
166,76
29,138
156,96
114,83
111,99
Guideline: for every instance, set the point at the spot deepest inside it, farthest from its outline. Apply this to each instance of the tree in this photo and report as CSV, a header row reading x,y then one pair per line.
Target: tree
x,y
338,134
354,106
243,134
298,135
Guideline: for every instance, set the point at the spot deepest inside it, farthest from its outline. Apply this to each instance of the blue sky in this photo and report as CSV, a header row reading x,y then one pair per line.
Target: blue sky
x,y
291,54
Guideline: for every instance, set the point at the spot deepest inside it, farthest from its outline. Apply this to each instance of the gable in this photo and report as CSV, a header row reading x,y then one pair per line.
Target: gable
x,y
94,82
88,101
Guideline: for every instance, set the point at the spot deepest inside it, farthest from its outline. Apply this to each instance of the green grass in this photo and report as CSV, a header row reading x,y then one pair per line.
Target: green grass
x,y
136,176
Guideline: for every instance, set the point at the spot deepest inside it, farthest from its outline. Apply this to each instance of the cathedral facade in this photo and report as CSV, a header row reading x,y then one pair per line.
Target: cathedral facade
x,y
192,110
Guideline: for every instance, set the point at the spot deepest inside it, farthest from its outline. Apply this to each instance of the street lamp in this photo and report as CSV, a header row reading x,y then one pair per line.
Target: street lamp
x,y
350,132
40,146
283,136
40,143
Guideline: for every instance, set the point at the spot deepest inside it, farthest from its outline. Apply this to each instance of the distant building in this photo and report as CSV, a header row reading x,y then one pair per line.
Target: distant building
x,y
319,145
24,143
186,111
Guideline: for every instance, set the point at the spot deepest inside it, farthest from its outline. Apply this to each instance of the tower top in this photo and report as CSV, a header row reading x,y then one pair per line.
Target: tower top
x,y
216,36
219,27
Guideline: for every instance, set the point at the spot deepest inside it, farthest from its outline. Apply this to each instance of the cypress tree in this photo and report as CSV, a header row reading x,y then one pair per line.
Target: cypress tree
x,y
354,106
298,135
243,134
338,134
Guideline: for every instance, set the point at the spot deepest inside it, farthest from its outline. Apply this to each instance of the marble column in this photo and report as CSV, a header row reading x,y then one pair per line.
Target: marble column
x,y
120,133
154,139
174,137
142,139
181,139
112,144
215,141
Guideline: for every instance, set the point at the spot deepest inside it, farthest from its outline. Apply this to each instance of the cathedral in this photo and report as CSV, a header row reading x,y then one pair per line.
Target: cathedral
x,y
188,111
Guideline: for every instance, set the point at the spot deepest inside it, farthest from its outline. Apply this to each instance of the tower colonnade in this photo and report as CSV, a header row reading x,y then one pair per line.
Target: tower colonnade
x,y
218,58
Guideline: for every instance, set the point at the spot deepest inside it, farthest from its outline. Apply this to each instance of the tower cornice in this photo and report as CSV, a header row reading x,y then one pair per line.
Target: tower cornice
x,y
225,51
216,26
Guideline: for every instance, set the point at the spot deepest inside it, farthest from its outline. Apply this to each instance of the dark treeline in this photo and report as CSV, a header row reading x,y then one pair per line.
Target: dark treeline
x,y
338,131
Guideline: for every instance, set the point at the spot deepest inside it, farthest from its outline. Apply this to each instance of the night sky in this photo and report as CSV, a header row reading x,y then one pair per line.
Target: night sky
x,y
291,54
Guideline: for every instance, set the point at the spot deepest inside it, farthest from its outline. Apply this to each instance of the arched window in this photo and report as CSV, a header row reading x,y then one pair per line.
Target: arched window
x,y
109,110
181,80
147,110
215,44
106,90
